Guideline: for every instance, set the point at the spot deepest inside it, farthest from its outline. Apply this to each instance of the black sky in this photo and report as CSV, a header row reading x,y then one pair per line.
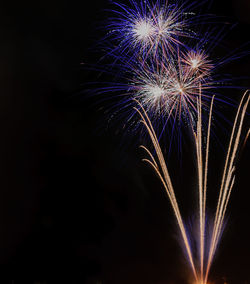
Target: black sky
x,y
76,206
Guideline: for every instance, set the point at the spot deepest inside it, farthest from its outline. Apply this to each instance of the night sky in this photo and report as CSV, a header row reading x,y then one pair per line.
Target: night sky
x,y
77,204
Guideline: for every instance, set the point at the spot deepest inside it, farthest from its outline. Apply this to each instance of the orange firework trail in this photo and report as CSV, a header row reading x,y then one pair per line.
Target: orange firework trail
x,y
162,171
227,182
228,179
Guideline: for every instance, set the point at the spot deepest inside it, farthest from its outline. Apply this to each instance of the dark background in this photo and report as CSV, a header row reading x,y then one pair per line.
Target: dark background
x,y
75,208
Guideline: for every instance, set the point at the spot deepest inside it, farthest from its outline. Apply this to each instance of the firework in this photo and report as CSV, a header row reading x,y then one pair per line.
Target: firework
x,y
197,62
171,87
162,171
227,182
165,67
164,61
150,29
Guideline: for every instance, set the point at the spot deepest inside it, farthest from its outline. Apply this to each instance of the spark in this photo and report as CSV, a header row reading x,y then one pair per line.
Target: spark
x,y
198,62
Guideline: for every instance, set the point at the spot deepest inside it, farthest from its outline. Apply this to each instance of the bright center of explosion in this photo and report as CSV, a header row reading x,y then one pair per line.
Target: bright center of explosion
x,y
195,63
143,29
155,91
180,88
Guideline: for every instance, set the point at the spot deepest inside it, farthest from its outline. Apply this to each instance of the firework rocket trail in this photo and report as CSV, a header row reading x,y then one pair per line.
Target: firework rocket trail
x,y
162,172
226,184
202,178
228,179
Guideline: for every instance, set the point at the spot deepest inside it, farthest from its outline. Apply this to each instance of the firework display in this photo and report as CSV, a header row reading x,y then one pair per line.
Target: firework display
x,y
167,72
162,57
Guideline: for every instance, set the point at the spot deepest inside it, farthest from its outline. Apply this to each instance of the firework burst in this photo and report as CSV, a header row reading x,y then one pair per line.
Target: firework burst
x,y
197,63
150,28
170,89
160,58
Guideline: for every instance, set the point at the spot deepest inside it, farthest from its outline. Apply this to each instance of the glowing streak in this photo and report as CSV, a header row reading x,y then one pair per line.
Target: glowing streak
x,y
202,178
205,183
245,141
162,172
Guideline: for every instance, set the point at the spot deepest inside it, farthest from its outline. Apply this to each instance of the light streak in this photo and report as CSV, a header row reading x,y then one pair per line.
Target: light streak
x,y
162,171
227,179
227,182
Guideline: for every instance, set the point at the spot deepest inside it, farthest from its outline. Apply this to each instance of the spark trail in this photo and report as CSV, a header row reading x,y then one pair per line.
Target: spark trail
x,y
228,179
162,171
159,165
